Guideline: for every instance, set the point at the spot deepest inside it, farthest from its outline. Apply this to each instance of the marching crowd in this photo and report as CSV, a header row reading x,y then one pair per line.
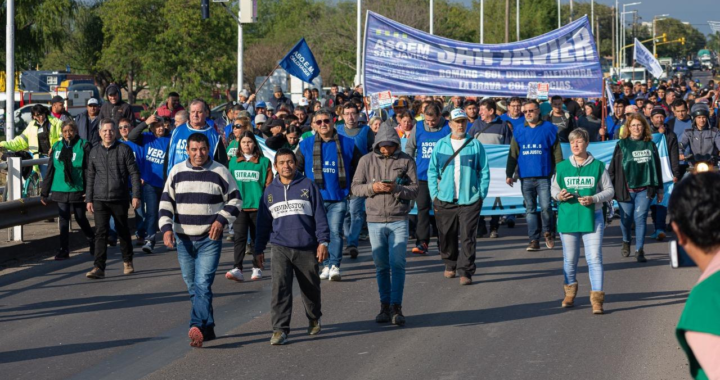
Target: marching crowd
x,y
341,170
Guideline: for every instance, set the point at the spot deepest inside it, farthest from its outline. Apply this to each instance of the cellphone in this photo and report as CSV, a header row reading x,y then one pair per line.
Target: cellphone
x,y
678,257
386,181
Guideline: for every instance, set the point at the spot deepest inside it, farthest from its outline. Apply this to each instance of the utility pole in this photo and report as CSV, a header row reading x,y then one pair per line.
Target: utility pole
x,y
614,35
592,17
358,73
571,10
482,20
517,18
240,55
432,6
559,22
10,72
507,21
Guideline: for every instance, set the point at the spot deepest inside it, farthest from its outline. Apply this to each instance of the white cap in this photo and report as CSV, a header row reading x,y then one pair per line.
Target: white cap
x,y
92,101
458,114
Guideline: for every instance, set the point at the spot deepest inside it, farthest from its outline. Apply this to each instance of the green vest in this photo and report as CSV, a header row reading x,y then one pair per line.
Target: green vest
x,y
572,216
232,149
701,314
638,162
250,178
77,174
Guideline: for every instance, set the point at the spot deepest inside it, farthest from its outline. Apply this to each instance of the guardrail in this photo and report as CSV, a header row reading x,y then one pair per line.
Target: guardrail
x,y
25,211
26,163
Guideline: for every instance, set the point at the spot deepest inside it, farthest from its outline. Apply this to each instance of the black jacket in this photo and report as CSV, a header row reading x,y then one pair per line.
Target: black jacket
x,y
88,130
118,111
617,175
283,101
63,197
570,126
106,178
673,150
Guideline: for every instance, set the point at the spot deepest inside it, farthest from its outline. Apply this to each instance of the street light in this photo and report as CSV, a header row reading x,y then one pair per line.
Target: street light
x,y
656,18
482,19
622,24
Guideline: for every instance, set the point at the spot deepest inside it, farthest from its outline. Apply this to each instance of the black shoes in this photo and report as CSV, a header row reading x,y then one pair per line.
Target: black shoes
x,y
640,256
398,318
625,251
62,254
384,315
208,334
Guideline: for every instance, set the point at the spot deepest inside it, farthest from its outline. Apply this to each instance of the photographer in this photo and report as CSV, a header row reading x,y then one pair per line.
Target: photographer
x,y
694,206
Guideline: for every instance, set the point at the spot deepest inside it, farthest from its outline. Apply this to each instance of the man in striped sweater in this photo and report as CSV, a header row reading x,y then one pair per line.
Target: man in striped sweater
x,y
199,199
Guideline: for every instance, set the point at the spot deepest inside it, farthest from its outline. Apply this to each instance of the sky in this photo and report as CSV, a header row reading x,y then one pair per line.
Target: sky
x,y
696,12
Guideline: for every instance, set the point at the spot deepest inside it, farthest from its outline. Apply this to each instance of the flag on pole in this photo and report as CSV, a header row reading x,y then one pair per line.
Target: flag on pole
x,y
300,62
644,57
609,95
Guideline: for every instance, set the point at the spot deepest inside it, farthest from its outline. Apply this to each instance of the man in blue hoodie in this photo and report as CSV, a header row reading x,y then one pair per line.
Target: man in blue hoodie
x,y
292,217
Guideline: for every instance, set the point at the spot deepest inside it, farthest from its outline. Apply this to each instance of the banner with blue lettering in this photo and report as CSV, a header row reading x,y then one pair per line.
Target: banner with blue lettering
x,y
300,62
644,57
408,61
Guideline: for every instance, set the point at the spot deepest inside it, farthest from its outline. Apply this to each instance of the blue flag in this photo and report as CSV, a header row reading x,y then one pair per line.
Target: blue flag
x,y
300,62
644,57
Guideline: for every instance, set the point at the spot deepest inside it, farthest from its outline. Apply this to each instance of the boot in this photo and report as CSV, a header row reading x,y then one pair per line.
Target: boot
x,y
398,318
625,250
570,293
384,315
597,299
640,256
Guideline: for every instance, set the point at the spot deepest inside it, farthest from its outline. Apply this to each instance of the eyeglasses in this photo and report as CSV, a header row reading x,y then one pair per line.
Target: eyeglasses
x,y
238,126
124,127
531,111
323,121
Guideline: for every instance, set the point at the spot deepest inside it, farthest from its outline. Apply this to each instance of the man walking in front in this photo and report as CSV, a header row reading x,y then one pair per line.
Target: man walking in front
x,y
458,177
106,195
199,199
292,217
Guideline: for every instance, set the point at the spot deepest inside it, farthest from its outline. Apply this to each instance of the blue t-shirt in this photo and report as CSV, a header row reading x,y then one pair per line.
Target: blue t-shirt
x,y
425,143
516,123
155,151
536,145
360,139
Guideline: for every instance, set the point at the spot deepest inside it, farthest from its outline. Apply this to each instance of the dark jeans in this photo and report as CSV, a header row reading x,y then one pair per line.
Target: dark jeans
x,y
286,264
494,222
424,203
244,220
659,215
65,210
103,212
534,189
455,221
151,202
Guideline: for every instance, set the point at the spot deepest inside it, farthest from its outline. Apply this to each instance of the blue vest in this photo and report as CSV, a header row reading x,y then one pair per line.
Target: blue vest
x,y
424,144
331,179
155,152
178,143
536,145
516,123
360,139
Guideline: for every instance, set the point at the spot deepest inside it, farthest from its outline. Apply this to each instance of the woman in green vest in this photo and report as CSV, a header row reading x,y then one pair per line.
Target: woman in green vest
x,y
693,208
581,186
252,172
635,171
65,185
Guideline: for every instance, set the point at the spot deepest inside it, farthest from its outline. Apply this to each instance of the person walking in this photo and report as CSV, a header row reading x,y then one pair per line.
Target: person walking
x,y
292,217
112,164
581,186
197,231
534,152
65,185
658,212
458,179
386,178
636,175
252,173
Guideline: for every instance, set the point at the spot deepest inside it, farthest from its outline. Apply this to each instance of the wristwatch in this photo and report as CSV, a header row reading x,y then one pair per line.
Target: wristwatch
x,y
325,243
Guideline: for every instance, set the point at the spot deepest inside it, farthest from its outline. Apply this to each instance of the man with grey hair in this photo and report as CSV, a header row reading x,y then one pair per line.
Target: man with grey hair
x,y
181,117
197,123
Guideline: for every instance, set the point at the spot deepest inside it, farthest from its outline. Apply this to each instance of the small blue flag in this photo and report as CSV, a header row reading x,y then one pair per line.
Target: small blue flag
x,y
300,62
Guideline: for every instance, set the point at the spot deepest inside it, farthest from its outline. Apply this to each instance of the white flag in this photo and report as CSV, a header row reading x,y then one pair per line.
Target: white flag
x,y
644,57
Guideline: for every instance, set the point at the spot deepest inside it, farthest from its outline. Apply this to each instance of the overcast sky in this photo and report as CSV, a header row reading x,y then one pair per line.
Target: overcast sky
x,y
696,12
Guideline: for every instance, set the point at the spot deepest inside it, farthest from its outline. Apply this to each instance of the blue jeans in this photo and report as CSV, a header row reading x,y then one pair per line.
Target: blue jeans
x,y
635,211
140,221
593,253
354,220
534,189
659,215
198,263
389,243
335,214
151,202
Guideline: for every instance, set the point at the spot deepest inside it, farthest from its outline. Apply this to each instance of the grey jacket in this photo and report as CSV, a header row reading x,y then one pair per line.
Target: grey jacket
x,y
398,168
604,190
106,178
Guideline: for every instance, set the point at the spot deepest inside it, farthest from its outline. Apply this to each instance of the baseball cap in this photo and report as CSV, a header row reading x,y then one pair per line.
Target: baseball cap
x,y
260,105
260,119
658,110
458,114
400,103
93,101
57,99
245,93
277,89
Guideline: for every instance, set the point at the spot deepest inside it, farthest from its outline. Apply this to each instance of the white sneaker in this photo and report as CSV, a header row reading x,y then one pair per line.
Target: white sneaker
x,y
257,274
335,273
235,275
147,248
325,273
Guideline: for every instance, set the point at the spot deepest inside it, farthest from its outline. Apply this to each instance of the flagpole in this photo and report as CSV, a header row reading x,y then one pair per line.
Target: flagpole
x,y
257,90
603,122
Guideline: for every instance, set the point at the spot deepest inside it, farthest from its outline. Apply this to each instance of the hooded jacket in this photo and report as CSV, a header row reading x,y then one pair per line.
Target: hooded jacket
x,y
117,111
604,190
375,167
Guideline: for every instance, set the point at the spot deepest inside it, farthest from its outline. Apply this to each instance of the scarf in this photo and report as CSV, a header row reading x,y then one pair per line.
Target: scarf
x,y
318,161
66,156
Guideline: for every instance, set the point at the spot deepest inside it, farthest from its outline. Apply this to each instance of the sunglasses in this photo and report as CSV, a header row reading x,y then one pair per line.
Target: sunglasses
x,y
238,126
323,121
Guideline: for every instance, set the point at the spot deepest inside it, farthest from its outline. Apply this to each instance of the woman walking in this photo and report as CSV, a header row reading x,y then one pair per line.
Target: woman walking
x,y
636,175
581,185
252,172
64,184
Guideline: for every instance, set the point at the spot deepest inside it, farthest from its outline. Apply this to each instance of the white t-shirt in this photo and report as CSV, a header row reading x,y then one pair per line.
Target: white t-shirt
x,y
456,144
247,156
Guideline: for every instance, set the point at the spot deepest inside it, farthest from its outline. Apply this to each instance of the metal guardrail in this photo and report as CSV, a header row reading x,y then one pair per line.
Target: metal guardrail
x,y
25,211
26,163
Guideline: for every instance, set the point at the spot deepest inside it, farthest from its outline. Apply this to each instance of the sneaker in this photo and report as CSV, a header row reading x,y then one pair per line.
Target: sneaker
x,y
257,274
420,249
549,240
62,255
398,319
510,223
625,250
335,273
384,316
148,247
363,236
230,237
449,273
465,280
314,327
96,274
660,235
494,234
353,251
325,273
533,246
209,334
278,338
346,251
640,256
128,268
196,337
235,274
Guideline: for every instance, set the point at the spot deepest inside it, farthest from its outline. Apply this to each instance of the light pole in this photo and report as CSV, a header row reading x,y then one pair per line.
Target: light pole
x,y
559,24
517,18
617,34
656,18
431,16
622,23
358,78
482,20
592,15
10,72
240,56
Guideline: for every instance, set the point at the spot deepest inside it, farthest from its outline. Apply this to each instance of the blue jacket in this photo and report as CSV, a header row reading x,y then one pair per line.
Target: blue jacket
x,y
292,216
474,173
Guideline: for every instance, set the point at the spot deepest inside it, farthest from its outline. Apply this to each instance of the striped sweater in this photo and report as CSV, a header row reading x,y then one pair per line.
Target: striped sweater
x,y
195,197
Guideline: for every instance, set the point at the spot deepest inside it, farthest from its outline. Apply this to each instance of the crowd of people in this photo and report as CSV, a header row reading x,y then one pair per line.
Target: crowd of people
x,y
341,170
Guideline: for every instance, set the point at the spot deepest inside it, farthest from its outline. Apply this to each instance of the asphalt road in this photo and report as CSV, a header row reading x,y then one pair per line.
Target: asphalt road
x,y
57,324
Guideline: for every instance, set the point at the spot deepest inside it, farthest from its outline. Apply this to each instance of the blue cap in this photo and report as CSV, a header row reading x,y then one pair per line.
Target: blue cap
x,y
260,105
457,114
